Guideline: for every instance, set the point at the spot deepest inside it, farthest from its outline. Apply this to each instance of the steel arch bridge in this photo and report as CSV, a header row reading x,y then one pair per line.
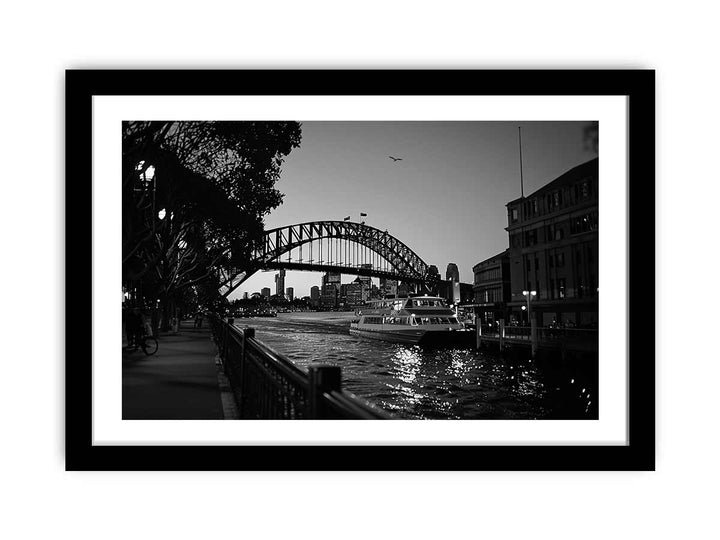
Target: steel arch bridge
x,y
332,246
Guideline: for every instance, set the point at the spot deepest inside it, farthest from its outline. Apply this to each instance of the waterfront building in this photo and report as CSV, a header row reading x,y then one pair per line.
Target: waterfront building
x,y
452,273
491,288
553,237
265,293
290,294
280,283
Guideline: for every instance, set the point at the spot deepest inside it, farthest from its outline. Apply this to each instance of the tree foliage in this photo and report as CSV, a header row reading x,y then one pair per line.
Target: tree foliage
x,y
194,198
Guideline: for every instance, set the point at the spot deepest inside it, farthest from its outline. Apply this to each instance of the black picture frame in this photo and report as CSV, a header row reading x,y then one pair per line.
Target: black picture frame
x,y
637,85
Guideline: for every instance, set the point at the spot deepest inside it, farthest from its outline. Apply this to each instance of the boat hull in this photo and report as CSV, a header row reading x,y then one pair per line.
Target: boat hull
x,y
419,337
403,336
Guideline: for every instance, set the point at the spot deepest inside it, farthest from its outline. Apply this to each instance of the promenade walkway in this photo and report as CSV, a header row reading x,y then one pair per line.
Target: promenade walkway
x,y
179,382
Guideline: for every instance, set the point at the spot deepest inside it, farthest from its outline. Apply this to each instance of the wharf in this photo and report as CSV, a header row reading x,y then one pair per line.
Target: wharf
x,y
179,382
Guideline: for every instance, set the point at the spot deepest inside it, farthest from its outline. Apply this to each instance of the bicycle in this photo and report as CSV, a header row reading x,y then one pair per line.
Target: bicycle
x,y
146,342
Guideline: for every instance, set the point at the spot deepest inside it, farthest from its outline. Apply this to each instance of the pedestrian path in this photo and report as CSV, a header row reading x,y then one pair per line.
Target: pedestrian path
x,y
179,382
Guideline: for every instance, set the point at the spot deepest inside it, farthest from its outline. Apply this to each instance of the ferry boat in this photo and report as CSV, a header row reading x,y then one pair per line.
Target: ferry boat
x,y
418,319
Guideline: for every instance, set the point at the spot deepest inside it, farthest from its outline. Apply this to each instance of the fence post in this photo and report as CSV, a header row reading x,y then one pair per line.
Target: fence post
x,y
246,334
533,337
322,379
224,336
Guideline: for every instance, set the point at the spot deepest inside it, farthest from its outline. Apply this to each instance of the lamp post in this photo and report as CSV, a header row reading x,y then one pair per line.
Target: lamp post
x,y
529,295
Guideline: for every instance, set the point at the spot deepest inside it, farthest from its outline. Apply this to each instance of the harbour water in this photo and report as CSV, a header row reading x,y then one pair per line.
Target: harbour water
x,y
411,381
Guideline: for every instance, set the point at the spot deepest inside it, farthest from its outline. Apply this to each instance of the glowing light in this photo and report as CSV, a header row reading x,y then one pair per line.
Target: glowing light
x,y
161,214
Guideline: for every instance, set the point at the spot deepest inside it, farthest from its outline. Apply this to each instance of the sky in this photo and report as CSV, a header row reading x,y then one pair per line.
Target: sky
x,y
445,199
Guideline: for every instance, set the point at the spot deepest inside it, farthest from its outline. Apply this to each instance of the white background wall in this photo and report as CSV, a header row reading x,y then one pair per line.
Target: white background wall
x,y
40,40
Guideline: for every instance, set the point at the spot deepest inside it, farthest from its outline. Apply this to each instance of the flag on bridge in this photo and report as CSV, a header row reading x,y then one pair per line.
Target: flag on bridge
x,y
347,218
363,214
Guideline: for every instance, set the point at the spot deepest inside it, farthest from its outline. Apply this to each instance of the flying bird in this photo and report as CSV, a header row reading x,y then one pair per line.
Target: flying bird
x,y
395,158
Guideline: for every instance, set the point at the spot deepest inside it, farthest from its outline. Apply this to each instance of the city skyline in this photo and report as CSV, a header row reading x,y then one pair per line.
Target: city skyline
x,y
445,198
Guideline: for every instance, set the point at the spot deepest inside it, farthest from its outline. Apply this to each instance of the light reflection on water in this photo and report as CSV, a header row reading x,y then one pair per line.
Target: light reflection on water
x,y
415,382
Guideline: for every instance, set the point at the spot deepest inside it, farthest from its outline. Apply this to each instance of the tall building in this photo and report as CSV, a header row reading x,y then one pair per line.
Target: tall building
x,y
314,296
329,295
366,282
553,236
452,273
290,294
280,283
245,295
265,293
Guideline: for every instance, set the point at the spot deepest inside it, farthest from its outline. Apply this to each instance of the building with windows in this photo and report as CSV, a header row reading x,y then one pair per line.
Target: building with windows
x,y
265,293
452,273
355,293
329,295
491,288
553,236
290,294
280,283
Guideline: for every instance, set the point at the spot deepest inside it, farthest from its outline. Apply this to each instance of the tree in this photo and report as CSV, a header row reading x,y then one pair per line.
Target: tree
x,y
194,198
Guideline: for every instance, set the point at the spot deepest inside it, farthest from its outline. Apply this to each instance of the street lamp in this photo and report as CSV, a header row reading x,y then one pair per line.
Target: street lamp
x,y
529,295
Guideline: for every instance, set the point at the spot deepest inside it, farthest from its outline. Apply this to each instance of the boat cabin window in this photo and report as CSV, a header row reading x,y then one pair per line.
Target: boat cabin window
x,y
423,302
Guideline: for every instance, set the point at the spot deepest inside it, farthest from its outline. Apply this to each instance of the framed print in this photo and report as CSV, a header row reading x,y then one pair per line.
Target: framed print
x,y
460,258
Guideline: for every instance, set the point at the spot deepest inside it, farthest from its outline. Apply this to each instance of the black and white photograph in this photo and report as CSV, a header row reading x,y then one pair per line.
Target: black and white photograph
x,y
415,270
269,269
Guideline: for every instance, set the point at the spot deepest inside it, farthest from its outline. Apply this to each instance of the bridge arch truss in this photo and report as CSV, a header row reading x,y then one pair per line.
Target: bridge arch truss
x,y
332,246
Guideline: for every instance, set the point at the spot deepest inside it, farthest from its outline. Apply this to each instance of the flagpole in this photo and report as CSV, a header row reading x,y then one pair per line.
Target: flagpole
x,y
522,187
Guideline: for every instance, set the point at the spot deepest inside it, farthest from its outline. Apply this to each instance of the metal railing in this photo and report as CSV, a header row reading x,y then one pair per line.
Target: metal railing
x,y
581,339
268,386
568,335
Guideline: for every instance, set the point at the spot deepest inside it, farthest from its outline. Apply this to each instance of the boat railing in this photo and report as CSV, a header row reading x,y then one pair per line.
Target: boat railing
x,y
266,385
